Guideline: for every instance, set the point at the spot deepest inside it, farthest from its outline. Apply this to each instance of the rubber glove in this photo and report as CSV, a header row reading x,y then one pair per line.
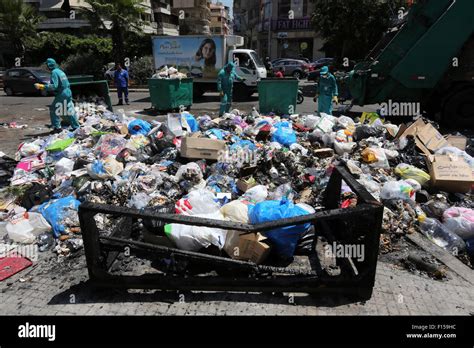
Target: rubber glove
x,y
221,94
39,86
335,99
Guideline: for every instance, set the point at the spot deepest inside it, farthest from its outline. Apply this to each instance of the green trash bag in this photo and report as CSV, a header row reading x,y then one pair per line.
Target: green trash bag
x,y
60,145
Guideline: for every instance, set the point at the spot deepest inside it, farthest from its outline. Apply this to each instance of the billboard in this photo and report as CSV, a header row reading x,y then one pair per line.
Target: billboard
x,y
201,56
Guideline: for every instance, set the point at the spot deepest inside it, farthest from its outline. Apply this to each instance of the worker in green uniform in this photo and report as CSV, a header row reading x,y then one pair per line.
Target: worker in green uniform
x,y
225,84
327,91
62,106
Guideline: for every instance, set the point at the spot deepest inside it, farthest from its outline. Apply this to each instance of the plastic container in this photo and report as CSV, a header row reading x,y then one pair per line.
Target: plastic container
x,y
278,96
170,94
442,236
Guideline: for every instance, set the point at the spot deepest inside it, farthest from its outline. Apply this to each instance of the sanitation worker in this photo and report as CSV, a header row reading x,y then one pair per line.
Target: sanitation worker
x,y
62,106
327,91
225,83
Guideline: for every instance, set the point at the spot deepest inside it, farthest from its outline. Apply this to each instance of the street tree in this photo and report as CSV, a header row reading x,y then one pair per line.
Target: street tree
x,y
18,24
117,17
352,27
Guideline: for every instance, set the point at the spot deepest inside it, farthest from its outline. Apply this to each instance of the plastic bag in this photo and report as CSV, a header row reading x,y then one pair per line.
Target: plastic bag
x,y
283,191
61,213
346,122
326,123
365,131
64,166
284,134
190,171
29,149
255,194
194,238
24,228
139,200
191,121
460,221
397,190
139,127
311,121
105,169
61,145
197,202
236,211
376,157
284,239
407,171
110,144
342,148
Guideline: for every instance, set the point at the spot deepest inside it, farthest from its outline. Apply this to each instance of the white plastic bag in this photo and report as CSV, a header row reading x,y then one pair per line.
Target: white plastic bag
x,y
190,170
256,194
25,227
342,148
311,121
236,211
193,238
397,190
197,202
64,166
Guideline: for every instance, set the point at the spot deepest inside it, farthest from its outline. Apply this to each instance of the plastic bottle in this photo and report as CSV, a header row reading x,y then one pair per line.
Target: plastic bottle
x,y
441,236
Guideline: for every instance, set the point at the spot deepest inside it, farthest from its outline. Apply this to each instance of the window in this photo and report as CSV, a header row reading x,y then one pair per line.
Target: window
x,y
14,73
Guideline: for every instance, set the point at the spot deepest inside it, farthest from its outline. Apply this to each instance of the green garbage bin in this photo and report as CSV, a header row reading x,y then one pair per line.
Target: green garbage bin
x,y
90,89
80,78
278,96
170,94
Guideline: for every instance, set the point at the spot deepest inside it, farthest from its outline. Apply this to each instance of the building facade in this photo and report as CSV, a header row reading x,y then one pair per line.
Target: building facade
x,y
63,15
278,28
194,16
220,19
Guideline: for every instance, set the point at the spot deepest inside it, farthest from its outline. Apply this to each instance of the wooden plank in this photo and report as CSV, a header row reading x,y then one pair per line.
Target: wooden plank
x,y
443,256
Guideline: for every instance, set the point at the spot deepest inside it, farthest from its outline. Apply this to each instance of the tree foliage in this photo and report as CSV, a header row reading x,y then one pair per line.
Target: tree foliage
x,y
351,28
117,17
142,69
60,46
18,23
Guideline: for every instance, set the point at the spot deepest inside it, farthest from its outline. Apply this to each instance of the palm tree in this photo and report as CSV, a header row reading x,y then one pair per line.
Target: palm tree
x,y
18,23
118,17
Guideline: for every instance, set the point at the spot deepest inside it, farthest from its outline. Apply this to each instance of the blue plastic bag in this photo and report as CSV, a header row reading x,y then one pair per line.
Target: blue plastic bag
x,y
55,211
193,124
139,127
284,134
283,239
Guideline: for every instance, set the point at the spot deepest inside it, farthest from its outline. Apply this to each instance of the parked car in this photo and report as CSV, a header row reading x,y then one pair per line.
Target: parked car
x,y
2,72
292,67
22,80
315,74
317,64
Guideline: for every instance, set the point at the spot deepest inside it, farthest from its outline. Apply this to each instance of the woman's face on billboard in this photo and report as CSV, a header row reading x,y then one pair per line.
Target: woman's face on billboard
x,y
207,51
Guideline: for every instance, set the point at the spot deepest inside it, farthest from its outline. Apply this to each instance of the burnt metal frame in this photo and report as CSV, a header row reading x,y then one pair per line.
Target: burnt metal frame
x,y
355,278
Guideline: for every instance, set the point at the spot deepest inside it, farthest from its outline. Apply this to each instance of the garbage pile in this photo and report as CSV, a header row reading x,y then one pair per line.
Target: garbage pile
x,y
245,168
169,73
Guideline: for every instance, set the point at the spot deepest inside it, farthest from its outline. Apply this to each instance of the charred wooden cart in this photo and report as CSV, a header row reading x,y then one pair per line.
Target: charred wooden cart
x,y
359,226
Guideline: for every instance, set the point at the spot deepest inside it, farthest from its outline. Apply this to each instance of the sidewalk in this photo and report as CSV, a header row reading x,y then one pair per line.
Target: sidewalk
x,y
62,289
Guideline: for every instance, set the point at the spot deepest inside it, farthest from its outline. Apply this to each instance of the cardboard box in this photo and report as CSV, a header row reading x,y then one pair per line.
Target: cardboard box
x,y
324,153
247,247
458,141
450,173
202,148
246,183
427,138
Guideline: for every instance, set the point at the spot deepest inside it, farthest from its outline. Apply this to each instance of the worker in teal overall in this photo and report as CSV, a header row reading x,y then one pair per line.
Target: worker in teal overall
x,y
225,84
327,91
62,106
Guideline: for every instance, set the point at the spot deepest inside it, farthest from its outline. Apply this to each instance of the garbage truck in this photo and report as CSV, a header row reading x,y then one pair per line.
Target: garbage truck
x,y
426,60
202,57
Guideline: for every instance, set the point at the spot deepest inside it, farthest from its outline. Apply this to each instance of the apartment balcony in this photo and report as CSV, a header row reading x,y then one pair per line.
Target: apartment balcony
x,y
63,23
167,29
